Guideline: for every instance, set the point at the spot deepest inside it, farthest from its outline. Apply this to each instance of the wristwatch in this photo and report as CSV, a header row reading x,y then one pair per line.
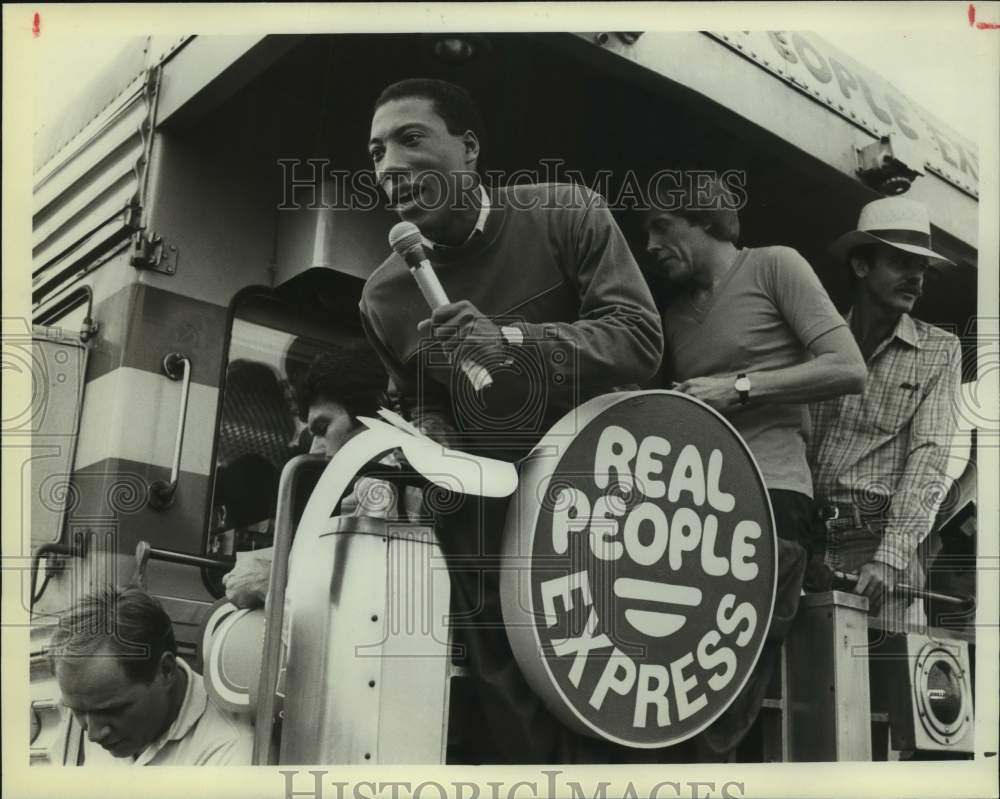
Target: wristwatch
x,y
742,386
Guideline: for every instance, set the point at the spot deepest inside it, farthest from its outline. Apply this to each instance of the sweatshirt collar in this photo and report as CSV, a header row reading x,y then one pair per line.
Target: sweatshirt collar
x,y
484,210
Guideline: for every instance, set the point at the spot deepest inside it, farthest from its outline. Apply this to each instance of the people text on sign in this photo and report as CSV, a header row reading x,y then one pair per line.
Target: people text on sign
x,y
685,531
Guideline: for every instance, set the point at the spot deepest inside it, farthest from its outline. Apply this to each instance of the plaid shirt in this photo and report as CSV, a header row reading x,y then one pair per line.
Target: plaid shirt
x,y
885,450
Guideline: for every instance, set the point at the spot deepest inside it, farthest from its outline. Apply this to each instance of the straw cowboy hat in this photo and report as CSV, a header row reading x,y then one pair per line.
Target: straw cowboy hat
x,y
895,221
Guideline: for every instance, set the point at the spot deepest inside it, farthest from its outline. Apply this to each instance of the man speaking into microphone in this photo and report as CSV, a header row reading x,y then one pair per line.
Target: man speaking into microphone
x,y
544,297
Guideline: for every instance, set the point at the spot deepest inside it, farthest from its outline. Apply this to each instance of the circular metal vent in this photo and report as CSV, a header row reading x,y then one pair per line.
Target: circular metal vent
x,y
943,693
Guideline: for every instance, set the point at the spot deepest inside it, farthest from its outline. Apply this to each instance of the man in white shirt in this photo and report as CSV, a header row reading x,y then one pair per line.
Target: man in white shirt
x,y
115,659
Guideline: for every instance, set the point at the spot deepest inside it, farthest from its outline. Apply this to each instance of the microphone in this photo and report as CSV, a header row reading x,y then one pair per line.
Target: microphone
x,y
405,239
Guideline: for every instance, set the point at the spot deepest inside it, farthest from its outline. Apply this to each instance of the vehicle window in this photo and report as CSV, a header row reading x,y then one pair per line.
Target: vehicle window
x,y
261,426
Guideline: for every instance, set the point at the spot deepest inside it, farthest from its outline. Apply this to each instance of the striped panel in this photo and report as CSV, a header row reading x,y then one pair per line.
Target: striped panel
x,y
131,414
74,226
140,324
90,101
113,149
80,196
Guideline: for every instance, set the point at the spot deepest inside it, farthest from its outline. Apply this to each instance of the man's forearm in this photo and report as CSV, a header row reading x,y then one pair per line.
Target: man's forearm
x,y
916,500
924,482
823,377
620,348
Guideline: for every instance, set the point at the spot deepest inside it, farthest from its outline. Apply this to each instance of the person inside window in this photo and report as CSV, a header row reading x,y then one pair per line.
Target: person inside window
x,y
339,387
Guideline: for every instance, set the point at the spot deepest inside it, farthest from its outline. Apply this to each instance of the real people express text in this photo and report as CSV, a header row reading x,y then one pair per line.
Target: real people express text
x,y
672,528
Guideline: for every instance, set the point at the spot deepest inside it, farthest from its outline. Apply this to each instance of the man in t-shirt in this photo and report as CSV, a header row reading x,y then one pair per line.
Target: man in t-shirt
x,y
547,296
752,333
115,659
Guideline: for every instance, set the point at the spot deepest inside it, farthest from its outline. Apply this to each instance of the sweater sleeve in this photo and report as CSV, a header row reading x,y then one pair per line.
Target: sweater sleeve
x,y
618,338
423,403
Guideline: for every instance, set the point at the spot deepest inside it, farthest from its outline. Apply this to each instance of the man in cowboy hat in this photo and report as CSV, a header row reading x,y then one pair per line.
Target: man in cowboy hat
x,y
878,458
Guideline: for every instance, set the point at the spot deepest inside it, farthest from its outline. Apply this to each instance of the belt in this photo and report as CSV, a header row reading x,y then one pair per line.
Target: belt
x,y
837,516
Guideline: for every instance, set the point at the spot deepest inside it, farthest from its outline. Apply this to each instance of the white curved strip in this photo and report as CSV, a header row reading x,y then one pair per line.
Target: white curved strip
x,y
215,663
654,591
654,623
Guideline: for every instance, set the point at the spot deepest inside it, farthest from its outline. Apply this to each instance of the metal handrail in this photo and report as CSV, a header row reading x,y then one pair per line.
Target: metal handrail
x,y
176,366
284,529
145,553
910,590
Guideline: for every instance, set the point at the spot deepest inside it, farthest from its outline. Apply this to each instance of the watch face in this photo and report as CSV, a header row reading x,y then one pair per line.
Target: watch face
x,y
743,384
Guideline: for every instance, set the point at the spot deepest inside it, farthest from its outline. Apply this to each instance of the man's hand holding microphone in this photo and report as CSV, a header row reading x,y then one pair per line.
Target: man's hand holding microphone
x,y
465,333
468,337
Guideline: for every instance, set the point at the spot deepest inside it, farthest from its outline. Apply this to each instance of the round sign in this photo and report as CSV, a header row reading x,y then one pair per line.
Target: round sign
x,y
640,567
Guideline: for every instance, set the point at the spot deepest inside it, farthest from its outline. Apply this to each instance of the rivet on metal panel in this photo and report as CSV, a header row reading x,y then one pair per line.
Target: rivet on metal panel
x,y
374,617
368,755
371,683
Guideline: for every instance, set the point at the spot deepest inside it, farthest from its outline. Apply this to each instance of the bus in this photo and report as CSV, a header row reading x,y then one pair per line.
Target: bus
x,y
195,242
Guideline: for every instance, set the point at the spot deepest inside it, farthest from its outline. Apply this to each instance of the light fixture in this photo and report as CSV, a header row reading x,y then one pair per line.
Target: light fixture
x,y
890,164
458,48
